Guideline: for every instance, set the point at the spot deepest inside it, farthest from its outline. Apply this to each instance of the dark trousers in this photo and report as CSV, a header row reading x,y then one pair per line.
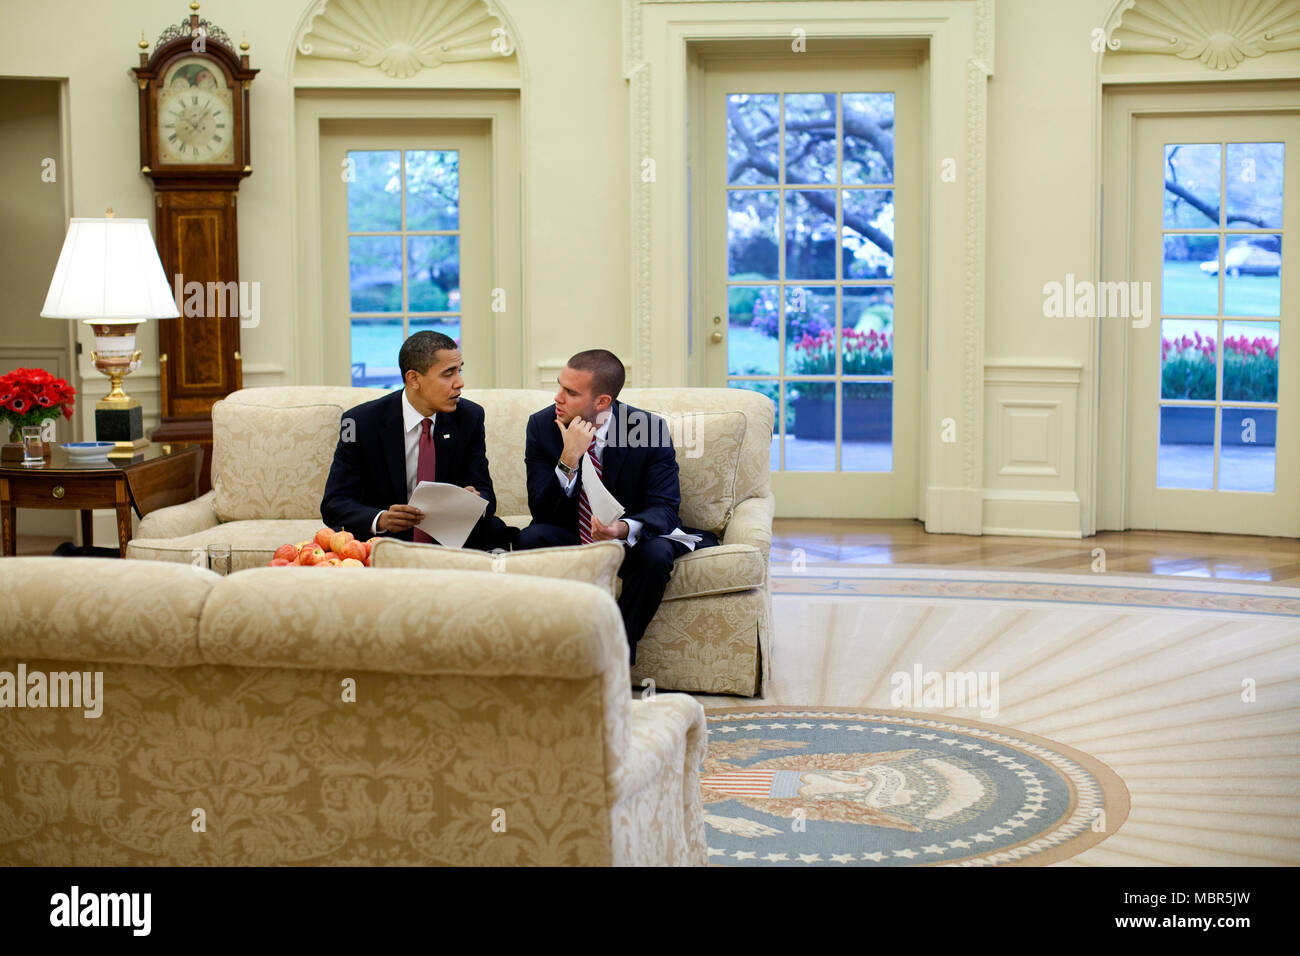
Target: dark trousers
x,y
645,571
489,534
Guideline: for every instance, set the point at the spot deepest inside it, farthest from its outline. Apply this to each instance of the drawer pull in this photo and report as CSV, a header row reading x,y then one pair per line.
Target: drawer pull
x,y
58,491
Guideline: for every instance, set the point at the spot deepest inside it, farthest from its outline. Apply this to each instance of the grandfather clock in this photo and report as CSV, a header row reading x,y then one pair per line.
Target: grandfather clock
x,y
194,146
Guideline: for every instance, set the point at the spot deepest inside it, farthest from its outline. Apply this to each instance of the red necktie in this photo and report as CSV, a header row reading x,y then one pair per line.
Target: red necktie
x,y
584,507
425,466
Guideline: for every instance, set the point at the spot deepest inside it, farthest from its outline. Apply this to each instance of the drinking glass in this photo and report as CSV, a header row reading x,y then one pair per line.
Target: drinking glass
x,y
33,446
219,558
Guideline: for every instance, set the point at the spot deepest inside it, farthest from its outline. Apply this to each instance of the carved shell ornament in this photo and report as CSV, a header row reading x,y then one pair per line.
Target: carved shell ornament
x,y
402,37
1219,33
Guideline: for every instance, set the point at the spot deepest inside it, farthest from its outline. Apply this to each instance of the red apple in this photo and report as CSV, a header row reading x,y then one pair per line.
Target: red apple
x,y
351,563
322,538
280,563
354,549
287,553
339,539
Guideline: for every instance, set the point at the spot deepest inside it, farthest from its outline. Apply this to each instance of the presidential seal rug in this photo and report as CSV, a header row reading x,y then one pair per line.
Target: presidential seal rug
x,y
823,786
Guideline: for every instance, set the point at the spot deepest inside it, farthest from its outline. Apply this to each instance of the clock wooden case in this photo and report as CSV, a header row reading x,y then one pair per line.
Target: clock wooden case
x,y
194,147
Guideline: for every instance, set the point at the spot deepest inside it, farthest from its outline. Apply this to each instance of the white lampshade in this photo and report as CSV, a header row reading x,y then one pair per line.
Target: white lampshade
x,y
109,272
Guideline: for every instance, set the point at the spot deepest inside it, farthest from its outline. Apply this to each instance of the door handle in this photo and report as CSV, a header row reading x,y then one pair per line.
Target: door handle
x,y
715,337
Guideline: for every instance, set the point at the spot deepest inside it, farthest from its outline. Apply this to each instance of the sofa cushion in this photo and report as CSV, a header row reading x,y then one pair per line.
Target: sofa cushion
x,y
753,480
505,419
596,563
271,462
252,543
720,570
708,446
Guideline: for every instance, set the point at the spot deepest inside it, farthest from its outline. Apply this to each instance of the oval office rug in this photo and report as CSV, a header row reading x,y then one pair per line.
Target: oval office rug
x,y
835,786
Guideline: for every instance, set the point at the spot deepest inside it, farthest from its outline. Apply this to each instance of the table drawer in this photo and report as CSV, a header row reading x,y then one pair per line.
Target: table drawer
x,y
55,491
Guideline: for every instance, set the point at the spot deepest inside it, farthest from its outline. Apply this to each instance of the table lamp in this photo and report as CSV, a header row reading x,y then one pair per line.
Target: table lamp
x,y
110,277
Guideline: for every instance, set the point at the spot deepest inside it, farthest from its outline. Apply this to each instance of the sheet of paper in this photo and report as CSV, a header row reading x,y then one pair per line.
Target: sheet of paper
x,y
604,506
450,512
690,540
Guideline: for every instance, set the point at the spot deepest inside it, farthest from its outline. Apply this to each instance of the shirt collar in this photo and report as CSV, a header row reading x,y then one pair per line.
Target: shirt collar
x,y
412,418
602,430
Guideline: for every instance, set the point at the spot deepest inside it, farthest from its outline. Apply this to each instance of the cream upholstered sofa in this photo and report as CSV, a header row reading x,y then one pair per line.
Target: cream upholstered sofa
x,y
486,726
272,449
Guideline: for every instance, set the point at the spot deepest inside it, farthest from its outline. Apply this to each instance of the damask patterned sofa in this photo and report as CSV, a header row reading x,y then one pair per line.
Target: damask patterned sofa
x,y
272,449
488,726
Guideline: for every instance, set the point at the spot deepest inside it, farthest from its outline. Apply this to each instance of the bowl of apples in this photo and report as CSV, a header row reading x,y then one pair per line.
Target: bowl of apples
x,y
328,549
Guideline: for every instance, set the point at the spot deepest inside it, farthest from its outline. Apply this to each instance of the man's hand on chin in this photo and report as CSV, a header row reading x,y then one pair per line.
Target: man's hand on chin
x,y
608,532
576,436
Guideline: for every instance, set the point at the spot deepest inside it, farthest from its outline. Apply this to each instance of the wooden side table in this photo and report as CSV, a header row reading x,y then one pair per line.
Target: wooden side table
x,y
159,476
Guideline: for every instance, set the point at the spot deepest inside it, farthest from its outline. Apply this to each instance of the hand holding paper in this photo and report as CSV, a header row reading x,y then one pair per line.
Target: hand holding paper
x,y
604,506
450,512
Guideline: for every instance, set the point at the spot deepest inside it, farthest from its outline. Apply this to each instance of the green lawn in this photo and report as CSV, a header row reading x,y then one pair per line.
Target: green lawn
x,y
1189,291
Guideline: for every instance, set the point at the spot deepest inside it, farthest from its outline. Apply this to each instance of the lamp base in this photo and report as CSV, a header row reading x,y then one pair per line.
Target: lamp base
x,y
128,449
124,426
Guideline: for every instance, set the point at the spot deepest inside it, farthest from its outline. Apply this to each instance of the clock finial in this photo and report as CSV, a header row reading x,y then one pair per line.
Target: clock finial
x,y
194,5
108,213
143,44
243,43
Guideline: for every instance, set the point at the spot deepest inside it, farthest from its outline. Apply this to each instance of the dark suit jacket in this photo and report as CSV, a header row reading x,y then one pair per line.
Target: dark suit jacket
x,y
369,470
638,467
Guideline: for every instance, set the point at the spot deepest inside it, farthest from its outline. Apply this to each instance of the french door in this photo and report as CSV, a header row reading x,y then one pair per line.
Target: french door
x,y
1214,412
809,173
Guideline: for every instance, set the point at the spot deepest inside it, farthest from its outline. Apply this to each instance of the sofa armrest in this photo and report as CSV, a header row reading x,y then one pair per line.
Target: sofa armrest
x,y
751,523
180,520
667,739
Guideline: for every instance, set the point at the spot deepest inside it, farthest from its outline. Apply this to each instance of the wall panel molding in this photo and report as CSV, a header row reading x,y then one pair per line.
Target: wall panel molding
x,y
1031,436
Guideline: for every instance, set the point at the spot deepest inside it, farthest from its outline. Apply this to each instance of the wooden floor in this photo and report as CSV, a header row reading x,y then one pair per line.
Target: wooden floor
x,y
1224,556
824,541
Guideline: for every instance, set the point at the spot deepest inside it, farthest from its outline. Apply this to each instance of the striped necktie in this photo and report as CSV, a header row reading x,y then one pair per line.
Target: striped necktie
x,y
584,506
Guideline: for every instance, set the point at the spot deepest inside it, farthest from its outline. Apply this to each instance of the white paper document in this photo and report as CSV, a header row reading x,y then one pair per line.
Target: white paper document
x,y
607,510
604,506
690,540
450,512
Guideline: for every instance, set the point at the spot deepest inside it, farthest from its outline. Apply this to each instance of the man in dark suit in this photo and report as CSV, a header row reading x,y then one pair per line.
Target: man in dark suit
x,y
632,454
423,431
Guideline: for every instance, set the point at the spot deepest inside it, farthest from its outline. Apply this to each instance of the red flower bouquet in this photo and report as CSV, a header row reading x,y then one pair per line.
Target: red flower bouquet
x,y
28,396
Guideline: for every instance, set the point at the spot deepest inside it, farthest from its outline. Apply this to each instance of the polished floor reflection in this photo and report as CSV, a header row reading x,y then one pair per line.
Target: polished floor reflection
x,y
1180,554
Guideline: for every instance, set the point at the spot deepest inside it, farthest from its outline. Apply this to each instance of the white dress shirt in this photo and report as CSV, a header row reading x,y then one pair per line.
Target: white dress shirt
x,y
568,484
411,438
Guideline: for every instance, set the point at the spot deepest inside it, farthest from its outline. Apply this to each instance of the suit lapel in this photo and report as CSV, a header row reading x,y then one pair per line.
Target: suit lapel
x,y
394,446
611,462
445,434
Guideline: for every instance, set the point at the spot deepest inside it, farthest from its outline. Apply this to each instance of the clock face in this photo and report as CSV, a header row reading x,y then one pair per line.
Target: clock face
x,y
195,120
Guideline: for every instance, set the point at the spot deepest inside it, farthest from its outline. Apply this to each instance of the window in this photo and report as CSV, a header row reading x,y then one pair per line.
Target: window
x,y
810,272
404,254
1222,277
